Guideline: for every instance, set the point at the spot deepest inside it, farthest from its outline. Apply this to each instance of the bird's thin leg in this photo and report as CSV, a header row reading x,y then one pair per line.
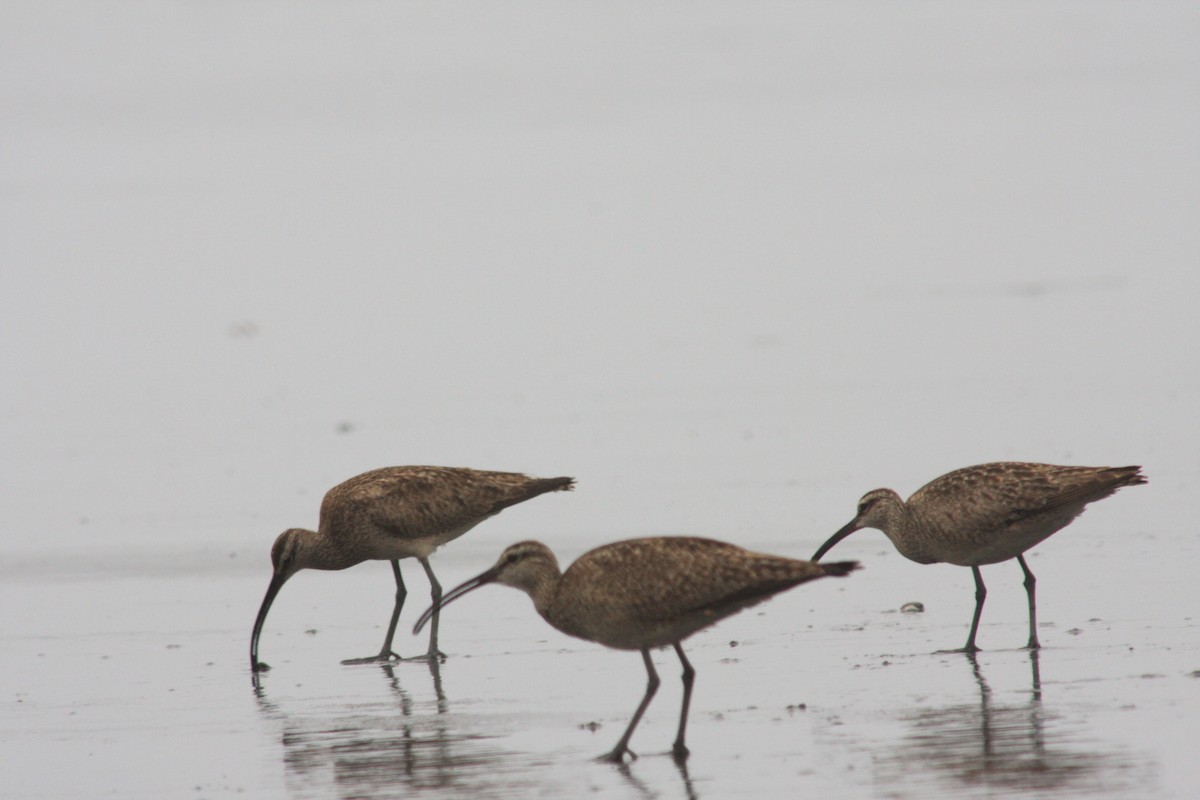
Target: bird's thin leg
x,y
385,653
618,752
435,593
1030,583
689,676
980,596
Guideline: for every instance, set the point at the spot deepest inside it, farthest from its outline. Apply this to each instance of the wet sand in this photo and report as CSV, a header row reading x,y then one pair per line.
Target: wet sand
x,y
145,691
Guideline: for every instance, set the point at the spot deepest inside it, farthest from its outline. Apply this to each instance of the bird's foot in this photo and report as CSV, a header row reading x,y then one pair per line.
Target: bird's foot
x,y
680,752
432,656
617,755
1034,644
969,650
386,655
260,666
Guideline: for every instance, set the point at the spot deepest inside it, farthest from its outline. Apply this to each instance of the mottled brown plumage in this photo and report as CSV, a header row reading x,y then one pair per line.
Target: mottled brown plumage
x,y
986,514
640,594
390,514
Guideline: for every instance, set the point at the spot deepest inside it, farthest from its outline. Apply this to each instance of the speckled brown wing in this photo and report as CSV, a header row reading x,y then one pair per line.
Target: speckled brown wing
x,y
666,588
1078,486
993,497
410,502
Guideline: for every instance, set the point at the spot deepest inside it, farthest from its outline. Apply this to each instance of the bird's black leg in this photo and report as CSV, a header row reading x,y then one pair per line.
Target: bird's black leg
x,y
980,596
385,653
1030,583
689,675
618,752
435,593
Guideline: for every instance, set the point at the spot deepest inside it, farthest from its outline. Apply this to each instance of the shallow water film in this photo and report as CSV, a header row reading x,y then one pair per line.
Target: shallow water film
x,y
728,266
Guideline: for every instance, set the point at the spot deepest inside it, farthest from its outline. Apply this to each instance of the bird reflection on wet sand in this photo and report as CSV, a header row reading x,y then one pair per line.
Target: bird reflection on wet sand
x,y
404,739
1019,748
435,671
626,771
363,750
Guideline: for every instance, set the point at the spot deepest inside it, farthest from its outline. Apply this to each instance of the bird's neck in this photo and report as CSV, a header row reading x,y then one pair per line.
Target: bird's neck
x,y
318,550
542,588
905,530
897,518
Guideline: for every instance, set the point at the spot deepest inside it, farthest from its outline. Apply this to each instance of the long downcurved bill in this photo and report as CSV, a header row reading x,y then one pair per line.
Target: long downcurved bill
x,y
482,579
849,528
272,590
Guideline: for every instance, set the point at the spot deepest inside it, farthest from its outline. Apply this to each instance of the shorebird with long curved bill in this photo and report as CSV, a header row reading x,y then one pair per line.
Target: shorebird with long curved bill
x,y
985,514
642,594
393,513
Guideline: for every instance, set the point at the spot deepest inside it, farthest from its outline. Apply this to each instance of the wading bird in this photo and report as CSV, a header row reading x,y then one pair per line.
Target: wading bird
x,y
640,594
984,515
393,513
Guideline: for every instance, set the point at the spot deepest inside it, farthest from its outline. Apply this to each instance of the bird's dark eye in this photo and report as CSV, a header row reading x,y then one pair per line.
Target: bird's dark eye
x,y
512,558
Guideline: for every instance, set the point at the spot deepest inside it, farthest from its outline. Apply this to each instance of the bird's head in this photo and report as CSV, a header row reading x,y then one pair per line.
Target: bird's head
x,y
524,566
875,509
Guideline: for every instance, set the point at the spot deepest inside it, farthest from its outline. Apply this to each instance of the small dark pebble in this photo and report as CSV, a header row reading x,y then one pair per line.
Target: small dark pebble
x,y
1075,631
913,607
792,709
1195,673
734,643
311,631
590,726
174,646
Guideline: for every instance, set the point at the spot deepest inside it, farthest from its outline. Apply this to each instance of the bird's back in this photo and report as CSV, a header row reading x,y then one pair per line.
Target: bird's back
x,y
993,512
656,591
412,510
